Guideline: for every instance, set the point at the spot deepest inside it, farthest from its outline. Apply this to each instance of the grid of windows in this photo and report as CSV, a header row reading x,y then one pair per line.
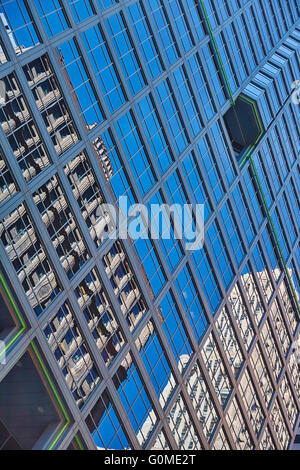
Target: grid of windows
x,y
72,354
21,130
128,99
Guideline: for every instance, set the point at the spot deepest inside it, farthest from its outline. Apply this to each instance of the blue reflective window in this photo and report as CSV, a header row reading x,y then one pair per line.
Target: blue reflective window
x,y
106,3
156,364
104,67
172,116
253,197
134,398
281,233
208,279
191,302
210,169
135,153
223,155
194,180
145,39
182,212
16,18
180,24
196,17
220,254
201,86
164,231
81,9
150,265
243,214
269,250
262,272
82,89
126,53
115,174
105,426
52,15
262,175
213,75
232,233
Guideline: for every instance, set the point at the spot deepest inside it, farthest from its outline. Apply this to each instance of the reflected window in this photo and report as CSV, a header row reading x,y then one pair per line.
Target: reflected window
x,y
135,400
61,226
51,104
29,259
105,426
125,285
182,427
100,317
156,364
71,352
16,18
53,16
202,401
86,190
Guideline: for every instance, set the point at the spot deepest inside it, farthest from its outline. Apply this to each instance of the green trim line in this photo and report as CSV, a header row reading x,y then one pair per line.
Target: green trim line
x,y
248,156
65,414
23,327
217,51
78,442
22,324
275,235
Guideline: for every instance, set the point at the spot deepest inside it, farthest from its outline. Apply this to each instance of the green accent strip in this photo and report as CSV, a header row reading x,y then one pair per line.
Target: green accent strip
x,y
23,326
250,151
217,51
40,362
56,397
249,157
78,442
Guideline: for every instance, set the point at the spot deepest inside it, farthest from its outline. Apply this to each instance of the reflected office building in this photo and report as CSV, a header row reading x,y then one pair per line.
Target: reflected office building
x,y
140,344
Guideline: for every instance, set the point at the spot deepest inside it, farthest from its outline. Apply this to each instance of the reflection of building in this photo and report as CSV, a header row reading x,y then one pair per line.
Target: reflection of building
x,y
137,344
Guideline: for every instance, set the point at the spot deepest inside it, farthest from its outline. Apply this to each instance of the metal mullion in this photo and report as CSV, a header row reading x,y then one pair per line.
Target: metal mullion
x,y
165,125
235,389
46,243
117,62
174,365
96,356
145,379
106,376
171,23
292,430
136,47
129,337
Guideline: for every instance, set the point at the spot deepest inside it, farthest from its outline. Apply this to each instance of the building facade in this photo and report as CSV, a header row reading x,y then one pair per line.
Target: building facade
x,y
142,344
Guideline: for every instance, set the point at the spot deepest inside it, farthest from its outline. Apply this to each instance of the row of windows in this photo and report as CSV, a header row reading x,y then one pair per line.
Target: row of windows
x,y
181,103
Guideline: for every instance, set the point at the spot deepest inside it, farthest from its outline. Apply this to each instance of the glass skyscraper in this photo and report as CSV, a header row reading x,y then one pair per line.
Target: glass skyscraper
x,y
140,343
